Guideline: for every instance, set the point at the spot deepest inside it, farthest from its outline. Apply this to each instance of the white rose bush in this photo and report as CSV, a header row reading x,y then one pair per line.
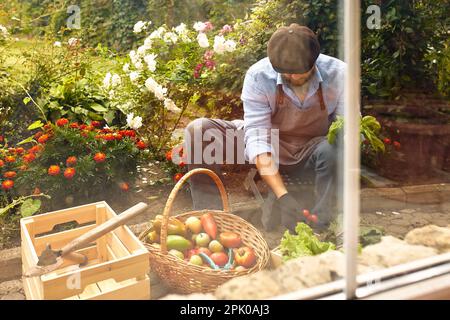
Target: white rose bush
x,y
167,73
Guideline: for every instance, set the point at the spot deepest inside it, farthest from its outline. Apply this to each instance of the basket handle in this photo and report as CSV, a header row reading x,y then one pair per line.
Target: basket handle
x,y
174,192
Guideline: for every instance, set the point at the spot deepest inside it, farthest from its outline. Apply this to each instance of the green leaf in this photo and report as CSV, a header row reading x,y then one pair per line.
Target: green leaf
x,y
98,107
26,100
27,140
30,207
35,125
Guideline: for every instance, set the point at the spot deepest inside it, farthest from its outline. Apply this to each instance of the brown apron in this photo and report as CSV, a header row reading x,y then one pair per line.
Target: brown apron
x,y
300,130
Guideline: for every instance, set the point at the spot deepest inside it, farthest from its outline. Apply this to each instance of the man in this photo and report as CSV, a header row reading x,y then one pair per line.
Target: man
x,y
290,99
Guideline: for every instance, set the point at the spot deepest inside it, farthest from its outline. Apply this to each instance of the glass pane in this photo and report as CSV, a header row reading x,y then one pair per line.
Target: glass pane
x,y
405,155
118,101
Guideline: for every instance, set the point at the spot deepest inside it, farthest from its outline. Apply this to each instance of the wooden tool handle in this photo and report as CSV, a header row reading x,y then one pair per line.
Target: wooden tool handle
x,y
103,229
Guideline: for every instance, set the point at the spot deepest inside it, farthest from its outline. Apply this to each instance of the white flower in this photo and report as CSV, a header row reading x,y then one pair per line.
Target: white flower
x,y
170,37
139,65
140,26
151,84
151,62
141,50
220,44
126,67
134,76
134,122
158,33
160,92
112,94
116,80
200,26
73,42
171,106
156,88
202,40
57,44
181,29
230,45
107,80
111,80
3,30
148,43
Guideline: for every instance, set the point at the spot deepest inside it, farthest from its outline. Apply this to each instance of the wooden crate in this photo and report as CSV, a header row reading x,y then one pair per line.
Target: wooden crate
x,y
118,264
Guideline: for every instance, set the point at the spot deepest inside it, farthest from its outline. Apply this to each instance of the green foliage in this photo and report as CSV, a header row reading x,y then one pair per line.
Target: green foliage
x,y
369,129
303,243
90,179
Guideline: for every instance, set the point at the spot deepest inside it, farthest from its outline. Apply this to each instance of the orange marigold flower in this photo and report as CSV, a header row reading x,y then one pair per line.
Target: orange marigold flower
x,y
12,150
169,155
48,126
118,136
96,124
74,125
54,170
62,122
2,139
10,159
10,174
71,161
23,167
178,176
82,126
35,149
69,173
124,186
38,135
2,163
99,157
141,145
7,184
44,138
20,150
109,137
387,141
29,157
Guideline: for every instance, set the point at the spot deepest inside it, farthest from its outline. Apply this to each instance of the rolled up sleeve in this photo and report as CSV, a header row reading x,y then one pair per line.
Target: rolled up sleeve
x,y
257,119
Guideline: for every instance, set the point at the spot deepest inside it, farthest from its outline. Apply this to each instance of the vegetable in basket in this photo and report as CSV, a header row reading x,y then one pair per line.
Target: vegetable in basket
x,y
178,243
209,225
174,226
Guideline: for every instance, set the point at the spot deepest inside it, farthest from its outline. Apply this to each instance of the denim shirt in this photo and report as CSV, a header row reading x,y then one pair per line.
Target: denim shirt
x,y
259,95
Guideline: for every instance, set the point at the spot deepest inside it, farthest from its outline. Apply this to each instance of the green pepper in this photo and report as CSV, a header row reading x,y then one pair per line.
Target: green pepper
x,y
178,243
174,226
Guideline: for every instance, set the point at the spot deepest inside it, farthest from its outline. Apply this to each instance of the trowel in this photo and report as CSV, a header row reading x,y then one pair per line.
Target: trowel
x,y
51,260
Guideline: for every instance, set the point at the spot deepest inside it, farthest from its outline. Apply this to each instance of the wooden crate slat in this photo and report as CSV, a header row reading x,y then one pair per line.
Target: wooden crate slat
x,y
60,239
60,290
90,291
127,236
117,246
46,221
131,290
101,242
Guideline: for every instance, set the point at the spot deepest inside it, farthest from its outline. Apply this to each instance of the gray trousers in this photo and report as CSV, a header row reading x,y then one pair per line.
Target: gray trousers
x,y
319,167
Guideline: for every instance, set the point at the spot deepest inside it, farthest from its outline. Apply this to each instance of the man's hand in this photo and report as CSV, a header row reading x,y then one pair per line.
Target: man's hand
x,y
290,211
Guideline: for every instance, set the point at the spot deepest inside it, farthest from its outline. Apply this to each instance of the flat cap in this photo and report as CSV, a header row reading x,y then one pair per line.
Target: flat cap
x,y
293,49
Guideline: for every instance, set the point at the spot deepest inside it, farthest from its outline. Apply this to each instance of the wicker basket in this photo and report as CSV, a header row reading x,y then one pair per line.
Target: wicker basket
x,y
184,277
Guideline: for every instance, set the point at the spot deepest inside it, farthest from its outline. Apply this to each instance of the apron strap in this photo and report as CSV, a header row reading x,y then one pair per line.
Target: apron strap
x,y
321,99
279,99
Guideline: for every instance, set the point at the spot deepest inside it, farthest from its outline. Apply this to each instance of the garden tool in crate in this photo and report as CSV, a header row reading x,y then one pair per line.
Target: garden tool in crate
x,y
50,259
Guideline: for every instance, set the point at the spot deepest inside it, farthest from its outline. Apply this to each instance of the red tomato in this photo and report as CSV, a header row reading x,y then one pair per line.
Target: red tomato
x,y
306,213
219,258
204,250
313,218
230,239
